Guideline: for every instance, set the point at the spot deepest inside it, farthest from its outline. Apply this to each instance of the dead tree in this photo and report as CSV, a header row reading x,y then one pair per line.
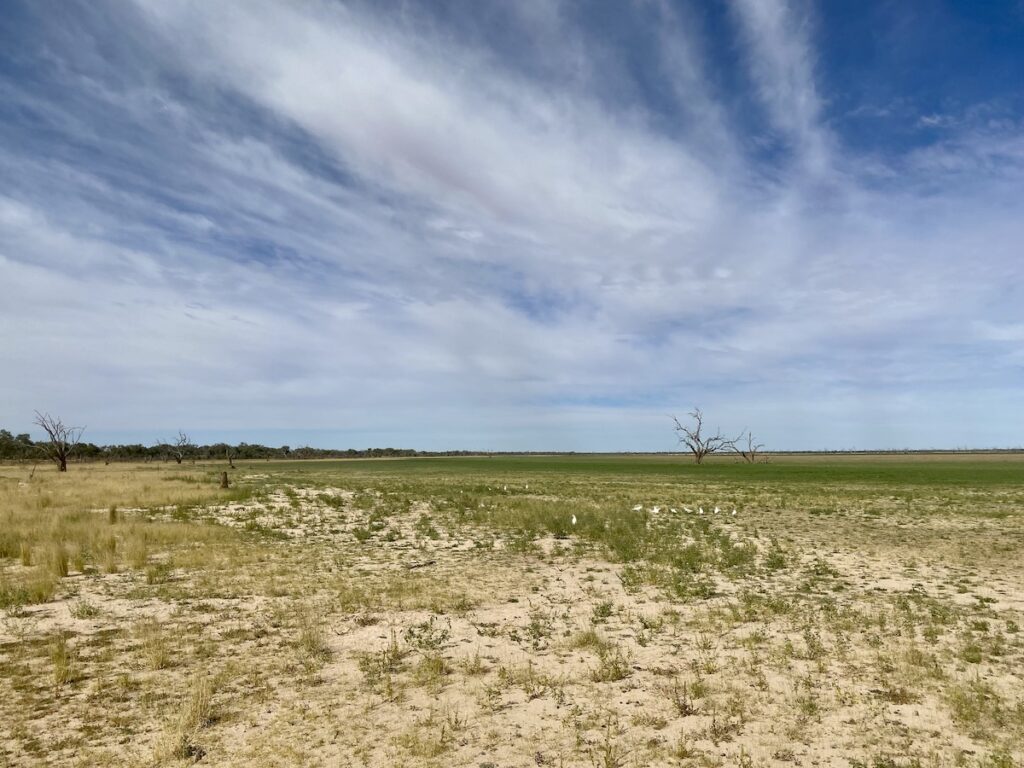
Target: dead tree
x,y
699,444
181,447
62,439
749,453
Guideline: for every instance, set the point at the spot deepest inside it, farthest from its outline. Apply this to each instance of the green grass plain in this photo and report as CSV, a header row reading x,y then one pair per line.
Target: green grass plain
x,y
977,470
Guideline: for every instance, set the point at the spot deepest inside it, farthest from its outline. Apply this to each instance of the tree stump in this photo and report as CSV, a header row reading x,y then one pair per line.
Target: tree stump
x,y
224,480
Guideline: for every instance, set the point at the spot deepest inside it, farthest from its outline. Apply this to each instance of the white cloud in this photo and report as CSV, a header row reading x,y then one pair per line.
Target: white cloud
x,y
781,62
371,225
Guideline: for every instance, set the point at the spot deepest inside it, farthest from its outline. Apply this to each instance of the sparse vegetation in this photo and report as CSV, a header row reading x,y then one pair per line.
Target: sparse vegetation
x,y
434,605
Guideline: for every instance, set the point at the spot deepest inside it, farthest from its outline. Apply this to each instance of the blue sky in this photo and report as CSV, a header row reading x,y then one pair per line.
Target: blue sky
x,y
527,226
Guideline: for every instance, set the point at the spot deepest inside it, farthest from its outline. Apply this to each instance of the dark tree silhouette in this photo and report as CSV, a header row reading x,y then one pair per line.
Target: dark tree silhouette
x,y
181,447
699,444
62,439
749,453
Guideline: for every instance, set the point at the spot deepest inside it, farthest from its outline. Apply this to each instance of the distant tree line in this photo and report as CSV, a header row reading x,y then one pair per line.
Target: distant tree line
x,y
16,447
22,447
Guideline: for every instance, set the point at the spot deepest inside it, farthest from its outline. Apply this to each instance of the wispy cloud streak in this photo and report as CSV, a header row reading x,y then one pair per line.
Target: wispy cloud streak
x,y
281,216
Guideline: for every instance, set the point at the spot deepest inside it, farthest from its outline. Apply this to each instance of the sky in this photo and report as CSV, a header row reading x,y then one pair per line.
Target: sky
x,y
530,225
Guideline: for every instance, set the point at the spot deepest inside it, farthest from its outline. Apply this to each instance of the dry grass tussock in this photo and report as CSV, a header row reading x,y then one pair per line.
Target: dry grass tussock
x,y
54,525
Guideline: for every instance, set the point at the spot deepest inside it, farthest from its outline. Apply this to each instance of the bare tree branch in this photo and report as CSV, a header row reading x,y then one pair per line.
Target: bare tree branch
x,y
180,448
749,453
62,439
700,445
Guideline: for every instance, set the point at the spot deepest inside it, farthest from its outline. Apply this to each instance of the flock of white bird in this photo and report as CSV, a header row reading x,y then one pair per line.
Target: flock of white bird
x,y
674,511
655,510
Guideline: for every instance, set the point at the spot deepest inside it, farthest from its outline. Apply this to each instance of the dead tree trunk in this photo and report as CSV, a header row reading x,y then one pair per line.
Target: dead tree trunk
x,y
700,445
62,439
181,446
752,450
224,480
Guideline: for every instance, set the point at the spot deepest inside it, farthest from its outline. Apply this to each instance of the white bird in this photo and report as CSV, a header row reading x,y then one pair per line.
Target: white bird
x,y
688,510
655,510
638,507
700,510
505,488
674,511
734,511
527,486
717,510
574,519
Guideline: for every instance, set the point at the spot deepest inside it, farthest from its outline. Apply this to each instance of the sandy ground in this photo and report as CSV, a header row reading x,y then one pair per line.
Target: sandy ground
x,y
437,644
